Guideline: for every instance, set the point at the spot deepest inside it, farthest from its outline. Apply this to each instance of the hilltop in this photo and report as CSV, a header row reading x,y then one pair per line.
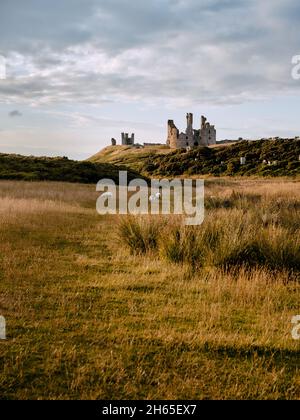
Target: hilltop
x,y
132,157
278,157
30,168
263,158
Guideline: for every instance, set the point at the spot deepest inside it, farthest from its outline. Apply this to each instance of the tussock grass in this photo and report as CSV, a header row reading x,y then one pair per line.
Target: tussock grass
x,y
226,239
139,234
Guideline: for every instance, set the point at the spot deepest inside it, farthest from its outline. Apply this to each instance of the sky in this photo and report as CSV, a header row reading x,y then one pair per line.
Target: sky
x,y
79,72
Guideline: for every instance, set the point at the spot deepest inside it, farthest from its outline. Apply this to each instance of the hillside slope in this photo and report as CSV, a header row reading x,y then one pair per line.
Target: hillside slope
x,y
263,158
133,158
32,168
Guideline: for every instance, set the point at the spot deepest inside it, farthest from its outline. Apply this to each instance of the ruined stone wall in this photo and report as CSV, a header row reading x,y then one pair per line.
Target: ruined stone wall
x,y
126,140
178,140
208,136
173,135
184,141
213,135
191,138
189,125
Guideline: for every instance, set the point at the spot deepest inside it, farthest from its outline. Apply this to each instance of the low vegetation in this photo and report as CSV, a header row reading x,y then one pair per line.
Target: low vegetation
x,y
243,237
88,319
30,168
264,158
131,157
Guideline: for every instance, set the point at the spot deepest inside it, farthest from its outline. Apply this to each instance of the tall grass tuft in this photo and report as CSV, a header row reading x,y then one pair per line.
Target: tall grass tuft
x,y
140,234
234,239
227,239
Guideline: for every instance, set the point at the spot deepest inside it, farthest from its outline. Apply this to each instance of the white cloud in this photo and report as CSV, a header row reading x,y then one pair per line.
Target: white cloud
x,y
91,69
174,51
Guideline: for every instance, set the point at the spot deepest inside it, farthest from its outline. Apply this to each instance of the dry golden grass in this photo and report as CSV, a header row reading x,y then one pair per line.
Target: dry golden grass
x,y
85,319
116,153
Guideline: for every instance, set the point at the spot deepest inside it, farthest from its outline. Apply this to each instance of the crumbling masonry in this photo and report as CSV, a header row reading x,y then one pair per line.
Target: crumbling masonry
x,y
126,140
205,136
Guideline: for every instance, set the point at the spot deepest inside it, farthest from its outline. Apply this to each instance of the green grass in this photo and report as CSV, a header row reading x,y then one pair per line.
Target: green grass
x,y
88,319
30,168
211,161
131,157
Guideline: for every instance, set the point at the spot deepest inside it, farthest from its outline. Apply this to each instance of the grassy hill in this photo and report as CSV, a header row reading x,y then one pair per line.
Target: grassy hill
x,y
134,158
223,160
31,168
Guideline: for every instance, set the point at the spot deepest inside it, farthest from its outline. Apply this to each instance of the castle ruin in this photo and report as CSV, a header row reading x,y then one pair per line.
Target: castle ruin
x,y
205,136
126,140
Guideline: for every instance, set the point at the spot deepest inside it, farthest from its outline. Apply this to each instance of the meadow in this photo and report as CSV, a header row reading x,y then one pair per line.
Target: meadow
x,y
108,307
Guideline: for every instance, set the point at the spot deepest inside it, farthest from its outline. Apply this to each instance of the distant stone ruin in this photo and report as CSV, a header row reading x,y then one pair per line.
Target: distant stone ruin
x,y
205,136
126,140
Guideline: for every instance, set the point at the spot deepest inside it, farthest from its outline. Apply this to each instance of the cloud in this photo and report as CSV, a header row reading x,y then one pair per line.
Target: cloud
x,y
171,51
15,113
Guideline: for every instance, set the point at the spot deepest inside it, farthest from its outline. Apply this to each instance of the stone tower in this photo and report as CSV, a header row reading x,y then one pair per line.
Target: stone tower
x,y
173,134
208,134
126,140
178,140
205,136
189,125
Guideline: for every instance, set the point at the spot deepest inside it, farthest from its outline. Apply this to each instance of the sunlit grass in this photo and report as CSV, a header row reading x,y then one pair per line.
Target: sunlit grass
x,y
86,318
